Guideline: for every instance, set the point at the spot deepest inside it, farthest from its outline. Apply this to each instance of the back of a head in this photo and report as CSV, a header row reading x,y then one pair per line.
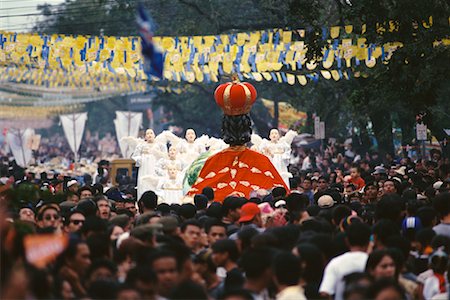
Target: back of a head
x,y
149,200
214,210
188,290
384,229
103,289
442,204
226,246
340,212
279,192
208,192
286,267
296,202
255,262
389,207
231,203
427,215
358,234
200,201
187,211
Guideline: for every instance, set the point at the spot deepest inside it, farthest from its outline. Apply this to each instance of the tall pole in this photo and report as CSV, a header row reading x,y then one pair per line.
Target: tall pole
x,y
276,113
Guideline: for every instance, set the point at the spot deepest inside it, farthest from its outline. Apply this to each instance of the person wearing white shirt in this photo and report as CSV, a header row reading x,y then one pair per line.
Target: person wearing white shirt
x,y
358,237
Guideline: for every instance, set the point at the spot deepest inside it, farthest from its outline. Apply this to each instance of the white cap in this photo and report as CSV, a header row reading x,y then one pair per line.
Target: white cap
x,y
71,182
437,185
325,201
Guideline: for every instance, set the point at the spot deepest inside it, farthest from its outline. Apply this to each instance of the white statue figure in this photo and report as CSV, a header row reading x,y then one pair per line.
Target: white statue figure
x,y
189,148
170,188
172,160
278,149
146,154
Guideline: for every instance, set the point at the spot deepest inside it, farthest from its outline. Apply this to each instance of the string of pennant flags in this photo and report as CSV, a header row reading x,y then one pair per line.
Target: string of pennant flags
x,y
116,63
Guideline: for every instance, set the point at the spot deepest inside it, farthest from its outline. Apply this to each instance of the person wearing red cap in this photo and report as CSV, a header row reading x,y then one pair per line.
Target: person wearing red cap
x,y
250,217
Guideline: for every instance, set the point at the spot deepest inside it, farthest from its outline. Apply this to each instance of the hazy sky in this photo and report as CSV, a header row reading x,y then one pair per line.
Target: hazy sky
x,y
9,8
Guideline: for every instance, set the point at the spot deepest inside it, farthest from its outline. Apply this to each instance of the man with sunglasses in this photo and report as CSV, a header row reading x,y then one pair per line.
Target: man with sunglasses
x,y
74,221
48,216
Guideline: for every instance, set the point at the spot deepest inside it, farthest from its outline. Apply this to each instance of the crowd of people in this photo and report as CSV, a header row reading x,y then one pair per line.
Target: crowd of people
x,y
351,227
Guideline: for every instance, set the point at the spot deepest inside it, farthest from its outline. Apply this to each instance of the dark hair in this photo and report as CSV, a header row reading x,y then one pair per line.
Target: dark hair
x,y
70,252
188,290
70,213
375,257
427,215
231,203
384,229
442,204
377,287
187,210
103,289
99,245
255,262
208,192
425,236
353,284
191,222
94,224
84,188
228,246
200,201
149,200
214,210
312,259
236,130
286,267
142,273
388,207
245,236
213,222
158,254
358,234
279,192
101,263
340,212
237,293
296,202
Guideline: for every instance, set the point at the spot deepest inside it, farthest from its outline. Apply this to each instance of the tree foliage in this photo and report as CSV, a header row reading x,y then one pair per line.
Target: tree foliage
x,y
415,79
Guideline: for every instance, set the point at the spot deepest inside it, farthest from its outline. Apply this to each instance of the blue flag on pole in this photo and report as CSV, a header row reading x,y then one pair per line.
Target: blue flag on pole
x,y
153,57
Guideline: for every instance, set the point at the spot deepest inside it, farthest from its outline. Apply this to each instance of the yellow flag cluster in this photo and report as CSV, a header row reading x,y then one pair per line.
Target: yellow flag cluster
x,y
33,112
116,62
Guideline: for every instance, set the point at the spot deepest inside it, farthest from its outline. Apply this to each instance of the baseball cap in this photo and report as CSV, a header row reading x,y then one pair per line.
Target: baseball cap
x,y
248,212
411,223
437,185
325,201
71,182
379,170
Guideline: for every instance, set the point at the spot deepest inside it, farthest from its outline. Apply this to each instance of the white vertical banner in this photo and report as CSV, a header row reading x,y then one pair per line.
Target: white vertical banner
x,y
73,125
317,128
19,143
322,130
127,124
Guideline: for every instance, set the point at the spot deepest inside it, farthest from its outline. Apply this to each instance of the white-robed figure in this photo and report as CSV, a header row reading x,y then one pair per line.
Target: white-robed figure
x,y
172,160
170,188
190,148
278,149
146,154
